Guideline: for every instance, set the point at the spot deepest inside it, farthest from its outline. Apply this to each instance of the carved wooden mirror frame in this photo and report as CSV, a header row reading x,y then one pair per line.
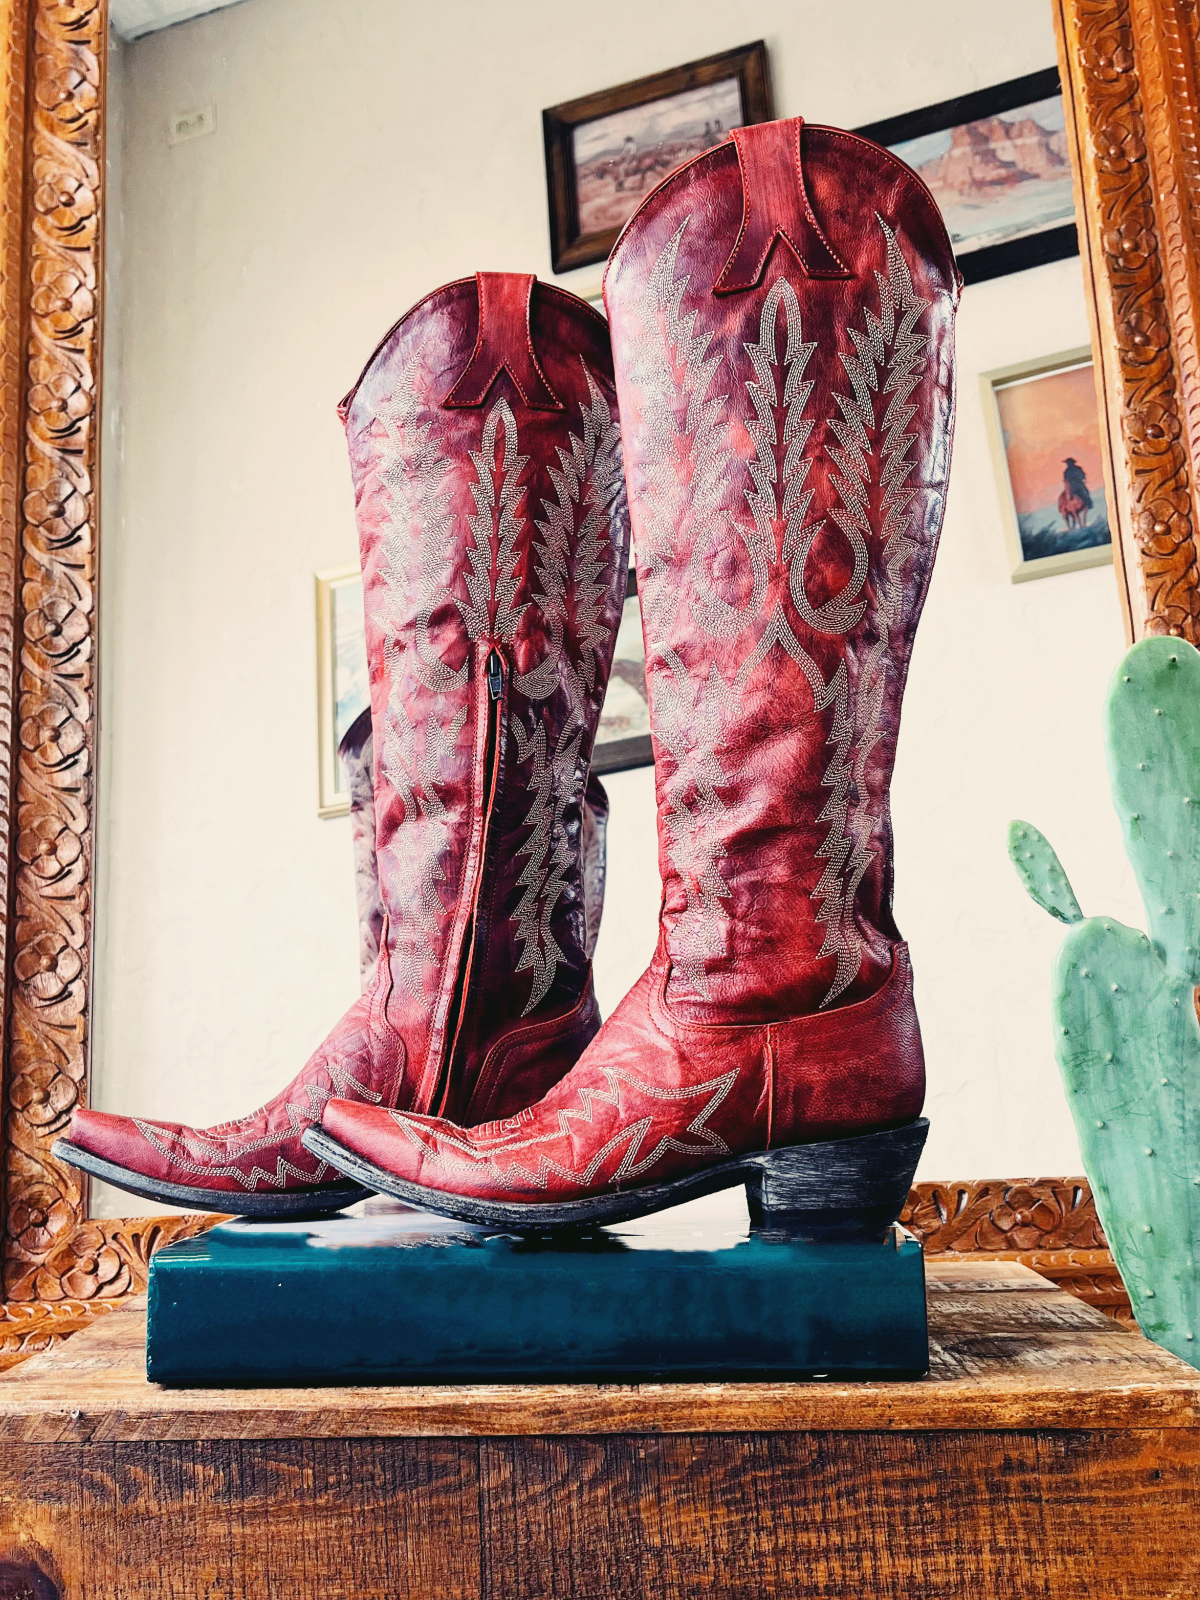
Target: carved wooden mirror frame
x,y
1131,83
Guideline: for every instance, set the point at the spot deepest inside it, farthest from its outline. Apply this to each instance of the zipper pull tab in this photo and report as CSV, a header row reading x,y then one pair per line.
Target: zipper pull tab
x,y
495,675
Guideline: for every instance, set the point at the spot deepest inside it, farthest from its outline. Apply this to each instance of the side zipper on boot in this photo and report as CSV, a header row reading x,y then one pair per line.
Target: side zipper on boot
x,y
497,702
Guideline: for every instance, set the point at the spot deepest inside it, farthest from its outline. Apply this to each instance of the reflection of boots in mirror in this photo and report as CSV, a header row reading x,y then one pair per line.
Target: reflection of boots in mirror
x,y
357,753
494,548
782,313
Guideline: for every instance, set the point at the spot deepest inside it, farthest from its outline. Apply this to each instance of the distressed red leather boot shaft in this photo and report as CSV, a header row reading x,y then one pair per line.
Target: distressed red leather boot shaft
x,y
357,754
494,545
781,311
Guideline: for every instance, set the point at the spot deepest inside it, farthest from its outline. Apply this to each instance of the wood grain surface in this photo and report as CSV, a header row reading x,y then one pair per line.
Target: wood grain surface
x,y
1050,1453
1001,1516
1008,1349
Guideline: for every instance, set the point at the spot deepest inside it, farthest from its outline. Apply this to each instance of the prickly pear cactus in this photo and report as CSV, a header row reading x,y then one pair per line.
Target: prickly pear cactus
x,y
1126,1033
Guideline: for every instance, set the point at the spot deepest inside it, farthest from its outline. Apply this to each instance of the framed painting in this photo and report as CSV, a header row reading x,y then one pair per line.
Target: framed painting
x,y
1044,428
997,164
606,151
343,687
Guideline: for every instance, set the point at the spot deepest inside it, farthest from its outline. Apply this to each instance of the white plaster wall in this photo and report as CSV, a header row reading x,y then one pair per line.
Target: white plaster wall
x,y
367,150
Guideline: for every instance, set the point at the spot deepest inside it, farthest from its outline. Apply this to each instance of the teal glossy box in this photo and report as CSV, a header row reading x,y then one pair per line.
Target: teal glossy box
x,y
409,1298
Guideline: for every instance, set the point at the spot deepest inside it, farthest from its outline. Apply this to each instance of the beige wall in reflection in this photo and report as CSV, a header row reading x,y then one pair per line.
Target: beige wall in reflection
x,y
366,151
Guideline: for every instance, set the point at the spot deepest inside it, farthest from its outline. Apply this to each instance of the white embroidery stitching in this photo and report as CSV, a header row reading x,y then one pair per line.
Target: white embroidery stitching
x,y
884,363
588,476
668,502
220,1143
548,852
412,571
835,616
689,724
684,472
588,479
423,527
633,1135
886,356
492,582
413,471
418,856
251,1180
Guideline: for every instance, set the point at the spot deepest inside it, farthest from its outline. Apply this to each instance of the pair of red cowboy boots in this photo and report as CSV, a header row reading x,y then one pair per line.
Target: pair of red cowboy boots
x,y
781,321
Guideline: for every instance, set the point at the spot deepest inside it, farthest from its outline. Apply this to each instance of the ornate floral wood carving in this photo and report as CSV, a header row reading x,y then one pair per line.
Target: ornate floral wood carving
x,y
1129,69
27,1328
999,1217
108,1260
96,1267
51,873
13,51
1049,1224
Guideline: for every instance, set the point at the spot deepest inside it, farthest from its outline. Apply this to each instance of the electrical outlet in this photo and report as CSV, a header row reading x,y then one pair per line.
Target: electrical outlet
x,y
185,125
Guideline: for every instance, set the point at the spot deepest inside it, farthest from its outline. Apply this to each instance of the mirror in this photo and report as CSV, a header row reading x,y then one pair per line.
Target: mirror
x,y
285,178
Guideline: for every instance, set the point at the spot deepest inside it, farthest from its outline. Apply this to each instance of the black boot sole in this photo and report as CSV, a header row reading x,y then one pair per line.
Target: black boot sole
x,y
293,1205
840,1189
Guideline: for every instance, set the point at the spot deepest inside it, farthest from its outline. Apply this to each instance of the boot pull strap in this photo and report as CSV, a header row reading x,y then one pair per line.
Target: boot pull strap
x,y
504,344
775,205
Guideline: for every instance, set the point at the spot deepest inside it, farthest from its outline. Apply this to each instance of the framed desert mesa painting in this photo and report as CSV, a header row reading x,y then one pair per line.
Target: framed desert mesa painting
x,y
606,151
343,687
996,162
1044,426
623,737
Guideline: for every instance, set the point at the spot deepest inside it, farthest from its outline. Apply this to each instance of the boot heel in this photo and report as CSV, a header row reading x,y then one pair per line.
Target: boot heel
x,y
841,1189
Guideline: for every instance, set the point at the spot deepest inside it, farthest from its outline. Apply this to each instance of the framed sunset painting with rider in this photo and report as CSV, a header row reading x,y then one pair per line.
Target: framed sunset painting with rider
x,y
1044,425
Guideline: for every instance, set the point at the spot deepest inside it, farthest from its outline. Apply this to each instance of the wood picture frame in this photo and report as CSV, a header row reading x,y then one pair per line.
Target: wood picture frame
x,y
1032,529
332,584
1130,73
59,1267
575,240
910,135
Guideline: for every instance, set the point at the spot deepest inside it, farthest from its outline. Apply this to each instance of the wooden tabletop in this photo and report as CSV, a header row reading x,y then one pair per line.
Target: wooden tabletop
x,y
1008,1350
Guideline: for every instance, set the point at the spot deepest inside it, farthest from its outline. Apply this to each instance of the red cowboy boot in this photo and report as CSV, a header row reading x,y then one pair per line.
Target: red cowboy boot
x,y
494,545
356,752
782,331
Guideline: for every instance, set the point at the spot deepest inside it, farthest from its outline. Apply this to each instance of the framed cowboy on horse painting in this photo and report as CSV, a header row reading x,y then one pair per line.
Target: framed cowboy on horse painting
x,y
1044,428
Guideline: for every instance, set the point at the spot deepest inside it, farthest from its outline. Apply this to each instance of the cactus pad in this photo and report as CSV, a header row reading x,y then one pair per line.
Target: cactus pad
x,y
1039,869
